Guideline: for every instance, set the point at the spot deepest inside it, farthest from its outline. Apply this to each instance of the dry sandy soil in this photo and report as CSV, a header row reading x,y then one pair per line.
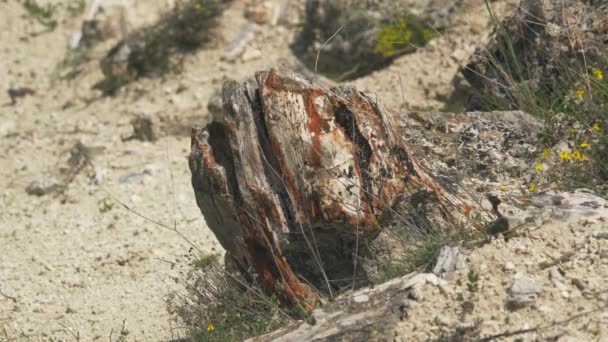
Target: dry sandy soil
x,y
79,265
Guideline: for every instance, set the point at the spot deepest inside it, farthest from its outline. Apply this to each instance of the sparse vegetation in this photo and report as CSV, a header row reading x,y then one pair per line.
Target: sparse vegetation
x,y
414,248
160,48
472,281
345,43
571,97
221,306
43,14
406,33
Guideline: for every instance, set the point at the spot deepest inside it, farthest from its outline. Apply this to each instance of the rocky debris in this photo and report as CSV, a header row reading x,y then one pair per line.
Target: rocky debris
x,y
555,288
450,259
80,157
357,37
363,315
524,291
290,158
600,235
489,146
43,186
530,47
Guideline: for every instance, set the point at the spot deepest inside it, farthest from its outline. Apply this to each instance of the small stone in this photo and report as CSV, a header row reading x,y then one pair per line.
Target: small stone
x,y
523,292
408,304
555,274
443,321
600,235
459,55
579,283
509,266
7,127
251,54
545,309
98,176
450,259
362,298
317,316
43,186
416,294
520,247
405,307
465,326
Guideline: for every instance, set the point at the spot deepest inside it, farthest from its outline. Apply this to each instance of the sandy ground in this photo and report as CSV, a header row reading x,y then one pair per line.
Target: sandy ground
x,y
69,267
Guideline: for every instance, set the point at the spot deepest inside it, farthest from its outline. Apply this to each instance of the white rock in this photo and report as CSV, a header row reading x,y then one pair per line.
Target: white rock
x,y
450,259
523,292
361,298
251,54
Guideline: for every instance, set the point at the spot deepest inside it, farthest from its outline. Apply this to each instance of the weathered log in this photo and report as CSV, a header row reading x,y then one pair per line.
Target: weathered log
x,y
369,314
295,177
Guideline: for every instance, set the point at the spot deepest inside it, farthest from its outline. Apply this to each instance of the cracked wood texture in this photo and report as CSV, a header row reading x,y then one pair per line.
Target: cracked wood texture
x,y
295,176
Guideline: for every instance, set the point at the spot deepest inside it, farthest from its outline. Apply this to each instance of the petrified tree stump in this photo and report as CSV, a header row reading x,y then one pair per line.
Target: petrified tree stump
x,y
296,176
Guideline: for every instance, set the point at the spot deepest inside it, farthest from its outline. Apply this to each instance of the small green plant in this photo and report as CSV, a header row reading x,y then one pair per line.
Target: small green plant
x,y
206,260
105,205
472,281
405,33
42,14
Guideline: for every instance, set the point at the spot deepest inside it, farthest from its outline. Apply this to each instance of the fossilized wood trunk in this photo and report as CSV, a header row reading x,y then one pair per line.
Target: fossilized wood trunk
x,y
295,176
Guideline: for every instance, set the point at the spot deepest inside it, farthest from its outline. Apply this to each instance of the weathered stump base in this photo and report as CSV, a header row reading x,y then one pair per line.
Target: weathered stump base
x,y
296,177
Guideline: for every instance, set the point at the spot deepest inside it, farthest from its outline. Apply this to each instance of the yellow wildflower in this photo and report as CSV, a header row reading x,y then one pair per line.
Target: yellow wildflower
x,y
547,153
571,130
198,6
210,327
596,127
580,94
578,155
598,74
565,156
532,188
584,144
538,167
503,188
